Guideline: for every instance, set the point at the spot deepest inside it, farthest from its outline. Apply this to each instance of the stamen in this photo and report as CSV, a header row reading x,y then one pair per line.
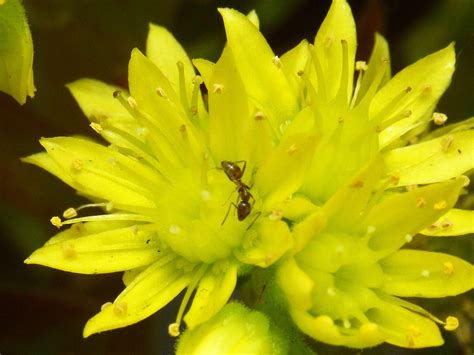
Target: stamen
x,y
173,330
96,127
374,85
292,149
408,238
357,184
392,105
452,323
319,74
77,165
361,67
105,306
109,217
276,215
344,82
56,221
182,84
388,122
132,102
440,205
259,115
439,118
192,286
70,213
425,273
161,92
197,81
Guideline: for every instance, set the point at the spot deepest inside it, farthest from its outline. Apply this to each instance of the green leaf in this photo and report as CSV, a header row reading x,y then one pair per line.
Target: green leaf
x,y
104,252
16,52
415,273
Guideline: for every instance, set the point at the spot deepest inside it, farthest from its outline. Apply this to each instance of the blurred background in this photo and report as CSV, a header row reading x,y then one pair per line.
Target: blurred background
x,y
44,310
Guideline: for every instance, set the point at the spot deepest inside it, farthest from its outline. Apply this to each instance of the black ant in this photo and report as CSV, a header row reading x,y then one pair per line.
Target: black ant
x,y
235,173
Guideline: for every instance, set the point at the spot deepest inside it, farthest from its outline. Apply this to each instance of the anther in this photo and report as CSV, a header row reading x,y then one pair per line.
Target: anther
x,y
105,306
276,60
56,221
183,130
452,323
425,273
448,268
346,324
173,330
68,250
440,205
70,213
276,215
394,179
120,309
96,127
258,116
446,223
439,118
292,149
361,65
77,165
160,92
300,72
466,179
217,88
420,202
116,93
357,184
197,81
408,238
132,102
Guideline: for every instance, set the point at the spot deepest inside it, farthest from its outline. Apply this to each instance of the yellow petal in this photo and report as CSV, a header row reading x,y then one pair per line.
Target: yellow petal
x,y
212,294
404,328
455,222
229,120
108,251
165,51
103,172
205,68
414,90
432,161
282,173
153,289
264,80
293,62
337,26
415,273
406,214
296,285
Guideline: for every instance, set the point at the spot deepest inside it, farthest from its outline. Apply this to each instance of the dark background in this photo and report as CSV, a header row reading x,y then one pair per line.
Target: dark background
x,y
42,311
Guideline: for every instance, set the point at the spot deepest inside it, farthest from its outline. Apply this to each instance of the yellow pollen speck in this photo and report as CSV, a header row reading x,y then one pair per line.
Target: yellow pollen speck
x,y
70,213
56,221
77,164
276,215
96,127
439,118
425,273
446,143
173,329
217,88
258,116
451,323
371,229
330,291
440,205
361,65
357,184
197,80
448,268
292,149
68,250
132,102
205,195
105,305
346,324
120,309
412,333
175,229
160,92
420,202
408,238
277,61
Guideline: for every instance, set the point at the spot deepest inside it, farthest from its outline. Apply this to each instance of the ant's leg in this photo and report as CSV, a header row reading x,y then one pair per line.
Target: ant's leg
x,y
245,165
256,216
227,214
